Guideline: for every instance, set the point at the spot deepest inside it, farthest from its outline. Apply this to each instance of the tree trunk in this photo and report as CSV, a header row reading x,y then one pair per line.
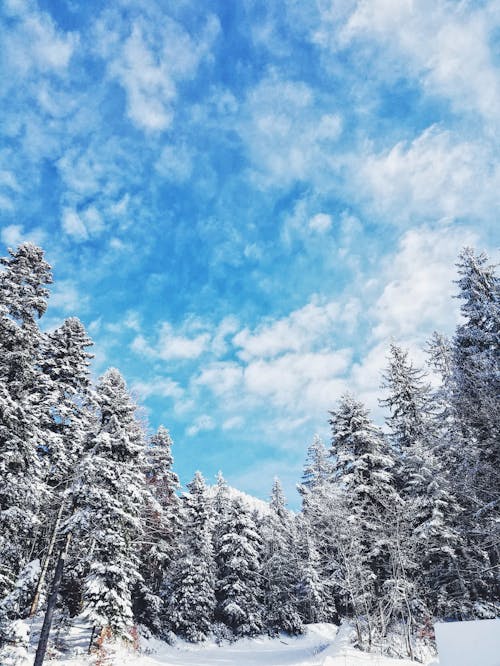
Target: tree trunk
x,y
45,567
51,604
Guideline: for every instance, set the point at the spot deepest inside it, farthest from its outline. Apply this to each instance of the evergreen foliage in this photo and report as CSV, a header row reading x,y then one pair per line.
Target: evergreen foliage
x,y
108,496
280,570
239,564
397,527
192,601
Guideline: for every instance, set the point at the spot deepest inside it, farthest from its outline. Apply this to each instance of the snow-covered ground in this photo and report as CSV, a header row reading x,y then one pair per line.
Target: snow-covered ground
x,y
469,643
322,645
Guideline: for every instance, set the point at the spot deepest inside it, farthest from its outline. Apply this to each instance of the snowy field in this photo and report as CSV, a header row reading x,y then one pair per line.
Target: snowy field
x,y
469,643
322,645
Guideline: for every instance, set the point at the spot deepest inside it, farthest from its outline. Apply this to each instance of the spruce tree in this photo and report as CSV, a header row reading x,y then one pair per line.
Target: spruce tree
x,y
161,532
108,496
23,300
414,433
239,572
476,368
314,595
365,494
192,601
65,363
476,407
281,568
69,416
317,468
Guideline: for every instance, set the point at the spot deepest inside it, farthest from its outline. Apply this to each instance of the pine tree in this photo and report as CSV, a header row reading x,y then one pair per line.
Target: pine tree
x,y
239,572
221,504
281,568
475,403
414,433
317,536
476,367
68,418
66,363
317,468
23,299
365,494
108,497
313,593
192,602
162,528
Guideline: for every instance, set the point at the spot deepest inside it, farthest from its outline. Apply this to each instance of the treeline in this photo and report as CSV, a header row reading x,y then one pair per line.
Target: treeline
x,y
398,527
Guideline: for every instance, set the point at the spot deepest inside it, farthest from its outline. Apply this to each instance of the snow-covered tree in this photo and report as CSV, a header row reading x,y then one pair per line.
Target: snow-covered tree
x,y
314,595
422,481
317,468
365,494
17,603
108,496
239,562
221,504
16,641
192,601
162,528
23,299
66,363
280,568
477,368
476,407
68,417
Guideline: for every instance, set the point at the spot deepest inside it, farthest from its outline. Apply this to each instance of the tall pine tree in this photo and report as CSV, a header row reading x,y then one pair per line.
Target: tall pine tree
x,y
23,300
192,602
108,496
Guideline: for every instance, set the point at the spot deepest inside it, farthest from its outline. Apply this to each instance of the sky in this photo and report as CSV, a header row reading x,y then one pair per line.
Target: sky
x,y
245,202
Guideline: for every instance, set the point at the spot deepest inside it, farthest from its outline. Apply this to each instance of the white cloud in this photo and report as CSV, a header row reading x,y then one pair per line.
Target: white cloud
x,y
9,181
132,320
73,225
200,424
170,345
447,46
291,371
34,43
321,222
301,329
158,386
224,378
418,293
81,226
175,163
233,423
120,207
14,234
65,296
301,382
228,326
286,136
151,62
436,175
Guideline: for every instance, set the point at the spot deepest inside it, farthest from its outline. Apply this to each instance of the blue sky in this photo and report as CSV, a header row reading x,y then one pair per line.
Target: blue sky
x,y
246,201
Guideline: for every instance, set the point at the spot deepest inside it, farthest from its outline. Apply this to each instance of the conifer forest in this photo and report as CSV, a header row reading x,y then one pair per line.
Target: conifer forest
x,y
398,527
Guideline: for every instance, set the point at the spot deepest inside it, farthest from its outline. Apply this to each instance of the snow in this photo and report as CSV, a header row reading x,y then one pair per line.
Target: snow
x,y
253,503
467,643
321,645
